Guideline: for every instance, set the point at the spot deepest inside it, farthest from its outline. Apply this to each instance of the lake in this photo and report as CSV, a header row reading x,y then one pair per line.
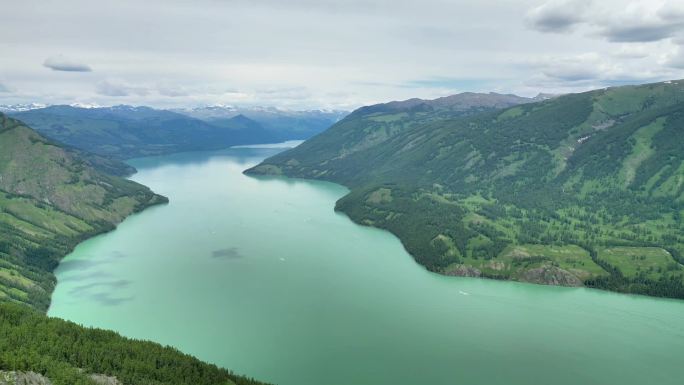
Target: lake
x,y
260,275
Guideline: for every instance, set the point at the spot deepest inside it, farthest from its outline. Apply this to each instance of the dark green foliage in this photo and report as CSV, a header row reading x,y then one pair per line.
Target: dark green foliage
x,y
66,353
601,168
416,231
52,198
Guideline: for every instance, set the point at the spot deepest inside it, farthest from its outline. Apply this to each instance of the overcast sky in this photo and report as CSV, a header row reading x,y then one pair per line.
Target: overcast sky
x,y
328,54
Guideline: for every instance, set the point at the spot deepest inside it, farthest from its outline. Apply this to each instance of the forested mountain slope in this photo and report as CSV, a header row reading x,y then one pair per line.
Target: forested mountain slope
x,y
67,354
582,189
51,199
124,132
370,128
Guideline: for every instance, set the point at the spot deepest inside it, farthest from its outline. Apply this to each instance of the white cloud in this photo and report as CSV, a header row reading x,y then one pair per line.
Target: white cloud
x,y
575,68
614,20
643,22
558,15
62,63
575,73
676,58
118,88
319,53
173,91
632,51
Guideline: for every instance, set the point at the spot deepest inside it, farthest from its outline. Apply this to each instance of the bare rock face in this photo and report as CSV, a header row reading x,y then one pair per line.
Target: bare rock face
x,y
551,275
32,378
465,271
23,378
104,380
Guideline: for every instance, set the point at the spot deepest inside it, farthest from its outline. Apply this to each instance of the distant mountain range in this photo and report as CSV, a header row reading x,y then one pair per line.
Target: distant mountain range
x,y
279,123
124,132
579,189
9,108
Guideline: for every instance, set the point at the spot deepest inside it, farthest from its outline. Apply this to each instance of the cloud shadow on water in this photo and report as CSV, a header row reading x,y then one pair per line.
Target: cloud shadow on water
x,y
229,253
107,299
84,276
93,291
79,265
117,254
120,284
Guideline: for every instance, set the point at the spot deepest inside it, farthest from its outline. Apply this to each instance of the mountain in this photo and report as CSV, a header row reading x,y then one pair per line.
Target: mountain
x,y
579,189
51,198
281,125
124,132
245,130
366,128
9,108
544,96
459,103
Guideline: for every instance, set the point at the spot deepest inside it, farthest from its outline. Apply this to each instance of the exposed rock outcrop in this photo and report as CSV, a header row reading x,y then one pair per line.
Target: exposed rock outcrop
x,y
464,271
551,275
23,378
104,380
33,378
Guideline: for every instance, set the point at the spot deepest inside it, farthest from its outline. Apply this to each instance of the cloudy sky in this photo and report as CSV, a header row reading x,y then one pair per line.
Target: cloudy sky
x,y
328,54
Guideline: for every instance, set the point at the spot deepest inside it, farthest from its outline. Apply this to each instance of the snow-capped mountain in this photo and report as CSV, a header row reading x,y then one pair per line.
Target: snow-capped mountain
x,y
9,108
221,111
21,107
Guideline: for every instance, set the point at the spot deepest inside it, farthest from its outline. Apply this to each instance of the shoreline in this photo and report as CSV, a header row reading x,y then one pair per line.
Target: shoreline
x,y
254,172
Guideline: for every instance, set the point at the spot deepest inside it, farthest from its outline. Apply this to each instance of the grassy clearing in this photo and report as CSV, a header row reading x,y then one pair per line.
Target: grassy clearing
x,y
641,150
511,113
389,118
516,260
632,261
570,257
381,195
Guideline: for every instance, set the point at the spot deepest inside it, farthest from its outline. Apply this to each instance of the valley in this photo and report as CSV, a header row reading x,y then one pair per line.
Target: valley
x,y
342,192
529,211
261,275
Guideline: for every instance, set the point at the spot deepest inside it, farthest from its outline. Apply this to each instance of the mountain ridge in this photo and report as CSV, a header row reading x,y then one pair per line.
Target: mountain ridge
x,y
123,131
466,194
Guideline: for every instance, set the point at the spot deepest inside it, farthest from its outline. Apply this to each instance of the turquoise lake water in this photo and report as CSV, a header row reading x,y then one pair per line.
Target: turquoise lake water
x,y
261,276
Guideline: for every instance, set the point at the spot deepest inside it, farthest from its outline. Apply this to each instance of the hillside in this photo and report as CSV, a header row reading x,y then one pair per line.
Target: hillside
x,y
40,348
51,199
124,132
582,189
364,129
